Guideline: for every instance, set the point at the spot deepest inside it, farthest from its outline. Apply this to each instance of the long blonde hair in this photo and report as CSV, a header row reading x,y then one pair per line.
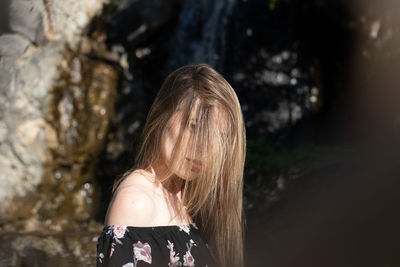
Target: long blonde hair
x,y
214,198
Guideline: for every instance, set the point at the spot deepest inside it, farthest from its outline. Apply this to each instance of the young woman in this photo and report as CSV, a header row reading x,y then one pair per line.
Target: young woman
x,y
181,203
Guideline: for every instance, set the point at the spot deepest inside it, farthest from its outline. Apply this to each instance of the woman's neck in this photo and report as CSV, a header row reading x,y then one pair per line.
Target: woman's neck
x,y
171,189
171,186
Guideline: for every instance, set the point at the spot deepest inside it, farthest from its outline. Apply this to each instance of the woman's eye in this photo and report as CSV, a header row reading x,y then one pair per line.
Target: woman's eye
x,y
192,126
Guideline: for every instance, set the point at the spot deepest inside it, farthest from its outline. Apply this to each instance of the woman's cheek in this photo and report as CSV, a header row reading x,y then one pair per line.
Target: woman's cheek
x,y
168,145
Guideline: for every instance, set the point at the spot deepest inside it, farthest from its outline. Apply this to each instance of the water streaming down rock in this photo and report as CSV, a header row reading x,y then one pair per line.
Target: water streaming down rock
x,y
201,34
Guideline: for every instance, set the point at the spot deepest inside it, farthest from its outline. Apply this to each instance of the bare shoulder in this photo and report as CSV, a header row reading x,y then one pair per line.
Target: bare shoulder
x,y
137,177
132,203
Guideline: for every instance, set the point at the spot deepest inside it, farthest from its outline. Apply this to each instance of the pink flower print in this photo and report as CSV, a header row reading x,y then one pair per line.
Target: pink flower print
x,y
142,252
173,259
129,264
188,259
184,228
111,252
195,226
119,231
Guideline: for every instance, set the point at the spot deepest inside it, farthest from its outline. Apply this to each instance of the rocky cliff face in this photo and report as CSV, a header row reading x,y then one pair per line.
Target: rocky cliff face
x,y
56,99
57,94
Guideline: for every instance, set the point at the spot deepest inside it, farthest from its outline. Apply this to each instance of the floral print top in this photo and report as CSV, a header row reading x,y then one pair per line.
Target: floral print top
x,y
171,245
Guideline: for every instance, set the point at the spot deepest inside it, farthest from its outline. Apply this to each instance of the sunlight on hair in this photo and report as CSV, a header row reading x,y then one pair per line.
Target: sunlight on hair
x,y
199,111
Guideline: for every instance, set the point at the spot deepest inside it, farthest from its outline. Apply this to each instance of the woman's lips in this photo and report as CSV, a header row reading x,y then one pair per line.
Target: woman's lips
x,y
197,162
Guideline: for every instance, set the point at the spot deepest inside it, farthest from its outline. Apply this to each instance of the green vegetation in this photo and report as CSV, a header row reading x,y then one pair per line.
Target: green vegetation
x,y
269,167
272,4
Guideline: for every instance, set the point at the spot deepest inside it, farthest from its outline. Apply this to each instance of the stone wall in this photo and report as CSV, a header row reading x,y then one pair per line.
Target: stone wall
x,y
56,100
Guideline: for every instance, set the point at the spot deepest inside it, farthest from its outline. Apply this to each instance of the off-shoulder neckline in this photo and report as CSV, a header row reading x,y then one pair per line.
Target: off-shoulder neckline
x,y
191,225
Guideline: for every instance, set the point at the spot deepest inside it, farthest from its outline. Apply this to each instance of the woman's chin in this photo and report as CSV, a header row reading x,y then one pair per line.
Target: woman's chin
x,y
189,175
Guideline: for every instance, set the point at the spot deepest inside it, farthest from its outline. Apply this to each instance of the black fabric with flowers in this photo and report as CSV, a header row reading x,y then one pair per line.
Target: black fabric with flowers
x,y
172,245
